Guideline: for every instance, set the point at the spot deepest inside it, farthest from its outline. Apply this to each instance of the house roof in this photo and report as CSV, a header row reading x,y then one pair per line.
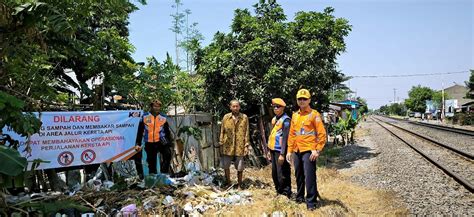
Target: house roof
x,y
350,102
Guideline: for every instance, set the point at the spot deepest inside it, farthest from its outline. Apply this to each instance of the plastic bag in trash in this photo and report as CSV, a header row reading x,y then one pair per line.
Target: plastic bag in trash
x,y
234,199
107,185
193,167
168,201
129,210
188,207
207,180
94,184
158,180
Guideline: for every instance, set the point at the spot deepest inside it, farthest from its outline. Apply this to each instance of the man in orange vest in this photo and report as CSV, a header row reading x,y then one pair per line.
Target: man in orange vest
x,y
277,143
154,129
305,142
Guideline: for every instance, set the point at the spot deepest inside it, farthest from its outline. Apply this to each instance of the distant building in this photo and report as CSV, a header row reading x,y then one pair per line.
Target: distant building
x,y
349,105
458,101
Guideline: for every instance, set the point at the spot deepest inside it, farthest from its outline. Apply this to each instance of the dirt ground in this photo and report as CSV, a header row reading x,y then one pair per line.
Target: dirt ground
x,y
340,197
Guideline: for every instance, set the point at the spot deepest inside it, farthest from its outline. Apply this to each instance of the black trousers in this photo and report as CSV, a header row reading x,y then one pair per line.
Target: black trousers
x,y
152,149
305,171
281,175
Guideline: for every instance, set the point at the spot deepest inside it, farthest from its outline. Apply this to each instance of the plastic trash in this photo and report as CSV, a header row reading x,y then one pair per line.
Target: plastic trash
x,y
150,202
129,210
245,193
94,184
107,185
278,214
188,207
77,187
193,167
168,201
234,199
89,214
208,180
201,208
158,180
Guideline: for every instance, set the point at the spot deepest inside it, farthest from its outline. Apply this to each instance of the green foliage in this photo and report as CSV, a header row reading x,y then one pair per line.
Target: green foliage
x,y
12,162
164,81
417,97
470,85
362,109
394,109
339,94
345,126
41,41
264,57
463,118
45,44
437,97
25,124
191,131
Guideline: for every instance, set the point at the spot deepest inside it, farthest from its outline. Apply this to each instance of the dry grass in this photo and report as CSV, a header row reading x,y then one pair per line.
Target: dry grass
x,y
360,131
340,197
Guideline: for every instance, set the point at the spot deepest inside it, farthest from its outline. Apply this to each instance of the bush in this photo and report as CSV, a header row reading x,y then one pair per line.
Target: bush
x,y
464,118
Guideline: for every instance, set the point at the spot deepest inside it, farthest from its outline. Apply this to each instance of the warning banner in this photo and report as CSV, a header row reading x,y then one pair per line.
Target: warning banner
x,y
79,138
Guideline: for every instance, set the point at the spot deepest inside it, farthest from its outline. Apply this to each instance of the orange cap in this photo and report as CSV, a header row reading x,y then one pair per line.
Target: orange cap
x,y
278,101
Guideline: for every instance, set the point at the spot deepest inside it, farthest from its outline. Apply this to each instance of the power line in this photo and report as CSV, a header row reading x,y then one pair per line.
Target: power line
x,y
407,75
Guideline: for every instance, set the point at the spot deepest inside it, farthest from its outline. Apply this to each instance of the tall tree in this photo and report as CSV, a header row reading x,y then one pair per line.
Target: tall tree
x,y
264,56
417,97
177,27
54,47
166,82
191,42
470,85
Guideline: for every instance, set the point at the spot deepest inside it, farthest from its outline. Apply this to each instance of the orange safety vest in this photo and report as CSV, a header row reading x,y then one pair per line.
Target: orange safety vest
x,y
276,136
306,132
153,127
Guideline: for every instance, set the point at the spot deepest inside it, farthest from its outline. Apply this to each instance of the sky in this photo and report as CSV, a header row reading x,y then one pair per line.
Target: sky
x,y
388,37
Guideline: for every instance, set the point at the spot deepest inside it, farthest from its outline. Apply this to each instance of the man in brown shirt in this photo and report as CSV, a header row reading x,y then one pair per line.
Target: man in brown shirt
x,y
234,141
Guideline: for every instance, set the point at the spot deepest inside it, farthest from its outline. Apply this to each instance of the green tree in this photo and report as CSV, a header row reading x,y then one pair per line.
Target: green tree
x,y
438,98
383,110
264,56
470,85
164,81
339,93
363,108
417,97
397,109
52,47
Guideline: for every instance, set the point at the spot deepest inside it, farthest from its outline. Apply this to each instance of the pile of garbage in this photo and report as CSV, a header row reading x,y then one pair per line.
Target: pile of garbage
x,y
194,193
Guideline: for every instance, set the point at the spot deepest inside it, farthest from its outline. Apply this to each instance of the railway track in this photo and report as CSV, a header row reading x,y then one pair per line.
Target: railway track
x,y
455,163
439,127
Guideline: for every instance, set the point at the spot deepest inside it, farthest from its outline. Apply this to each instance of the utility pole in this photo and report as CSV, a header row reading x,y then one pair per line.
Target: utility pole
x,y
394,95
442,103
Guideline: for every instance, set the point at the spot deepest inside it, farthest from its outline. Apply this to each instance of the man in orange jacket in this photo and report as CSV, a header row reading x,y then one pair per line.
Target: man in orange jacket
x,y
306,140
